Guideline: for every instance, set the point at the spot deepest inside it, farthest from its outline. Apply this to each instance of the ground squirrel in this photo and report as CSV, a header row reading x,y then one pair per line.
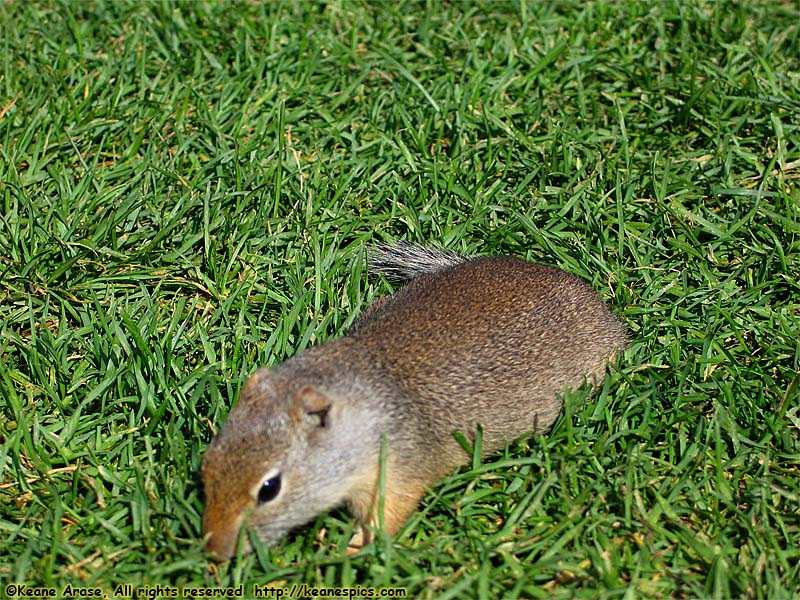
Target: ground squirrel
x,y
492,342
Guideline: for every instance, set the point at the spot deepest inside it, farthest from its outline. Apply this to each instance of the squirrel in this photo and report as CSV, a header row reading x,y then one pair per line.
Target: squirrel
x,y
465,343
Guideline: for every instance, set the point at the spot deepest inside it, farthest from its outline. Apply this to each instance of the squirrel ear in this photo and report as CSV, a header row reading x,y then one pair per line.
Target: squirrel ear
x,y
311,406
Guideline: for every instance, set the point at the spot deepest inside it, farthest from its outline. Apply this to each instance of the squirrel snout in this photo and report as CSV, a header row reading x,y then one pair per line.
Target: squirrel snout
x,y
221,537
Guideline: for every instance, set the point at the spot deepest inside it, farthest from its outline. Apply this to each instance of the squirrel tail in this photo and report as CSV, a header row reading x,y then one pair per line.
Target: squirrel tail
x,y
405,261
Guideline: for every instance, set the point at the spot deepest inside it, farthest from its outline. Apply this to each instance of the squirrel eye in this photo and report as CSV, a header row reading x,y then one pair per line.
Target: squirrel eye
x,y
269,489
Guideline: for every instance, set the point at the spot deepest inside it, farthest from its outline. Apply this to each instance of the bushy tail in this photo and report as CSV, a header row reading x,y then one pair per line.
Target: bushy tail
x,y
405,261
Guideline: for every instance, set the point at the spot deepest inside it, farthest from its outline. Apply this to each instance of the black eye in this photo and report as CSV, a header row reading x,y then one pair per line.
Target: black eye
x,y
269,489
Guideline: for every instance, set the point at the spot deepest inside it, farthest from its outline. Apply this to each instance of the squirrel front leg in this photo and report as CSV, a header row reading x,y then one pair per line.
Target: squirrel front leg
x,y
400,499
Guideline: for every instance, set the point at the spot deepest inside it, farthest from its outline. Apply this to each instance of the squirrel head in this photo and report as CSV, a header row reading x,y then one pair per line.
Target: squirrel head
x,y
275,464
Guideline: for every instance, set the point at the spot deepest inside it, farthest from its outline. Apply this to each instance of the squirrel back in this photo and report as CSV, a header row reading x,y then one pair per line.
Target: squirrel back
x,y
489,342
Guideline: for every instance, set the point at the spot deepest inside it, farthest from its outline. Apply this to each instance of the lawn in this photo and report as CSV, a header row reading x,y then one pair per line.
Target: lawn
x,y
186,193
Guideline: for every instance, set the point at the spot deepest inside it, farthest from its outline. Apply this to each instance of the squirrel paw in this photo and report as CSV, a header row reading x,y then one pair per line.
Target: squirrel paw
x,y
360,539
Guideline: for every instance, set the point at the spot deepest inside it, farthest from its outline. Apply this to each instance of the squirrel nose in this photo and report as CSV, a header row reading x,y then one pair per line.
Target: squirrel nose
x,y
221,540
220,548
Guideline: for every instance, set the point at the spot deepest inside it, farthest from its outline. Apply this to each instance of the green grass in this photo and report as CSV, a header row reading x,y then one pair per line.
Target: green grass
x,y
185,193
